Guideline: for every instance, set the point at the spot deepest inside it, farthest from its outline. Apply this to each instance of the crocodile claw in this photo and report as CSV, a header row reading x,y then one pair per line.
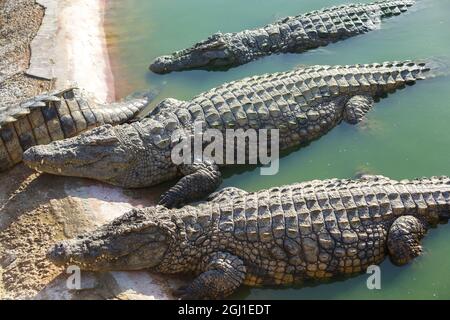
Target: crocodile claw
x,y
169,200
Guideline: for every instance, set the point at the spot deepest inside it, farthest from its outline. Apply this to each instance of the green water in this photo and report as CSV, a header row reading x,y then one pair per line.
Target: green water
x,y
406,135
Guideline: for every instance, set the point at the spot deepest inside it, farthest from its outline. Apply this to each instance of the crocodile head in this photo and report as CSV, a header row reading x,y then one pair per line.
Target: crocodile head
x,y
109,154
215,52
137,240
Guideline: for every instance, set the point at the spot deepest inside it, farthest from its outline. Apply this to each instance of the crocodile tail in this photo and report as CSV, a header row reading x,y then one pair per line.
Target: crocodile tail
x,y
436,193
39,120
374,79
390,76
391,8
432,182
442,196
121,112
435,181
129,109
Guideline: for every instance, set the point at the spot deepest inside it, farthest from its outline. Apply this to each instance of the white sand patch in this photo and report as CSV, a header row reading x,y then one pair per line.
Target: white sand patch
x,y
81,29
71,47
141,286
136,285
101,203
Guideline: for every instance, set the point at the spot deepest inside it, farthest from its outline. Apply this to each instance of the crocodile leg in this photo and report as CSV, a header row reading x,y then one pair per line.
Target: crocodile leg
x,y
357,107
223,274
200,179
404,239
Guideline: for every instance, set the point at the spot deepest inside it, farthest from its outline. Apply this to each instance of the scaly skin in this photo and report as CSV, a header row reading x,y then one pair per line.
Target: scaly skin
x,y
289,35
303,104
55,116
282,236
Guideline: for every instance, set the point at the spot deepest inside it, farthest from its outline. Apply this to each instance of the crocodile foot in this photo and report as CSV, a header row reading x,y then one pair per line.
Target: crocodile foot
x,y
199,181
404,239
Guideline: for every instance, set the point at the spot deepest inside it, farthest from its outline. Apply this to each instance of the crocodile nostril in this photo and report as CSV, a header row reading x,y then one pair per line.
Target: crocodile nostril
x,y
58,254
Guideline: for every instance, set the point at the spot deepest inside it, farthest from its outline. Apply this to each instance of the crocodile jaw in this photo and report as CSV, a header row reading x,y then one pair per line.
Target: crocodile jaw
x,y
214,52
97,154
193,60
131,242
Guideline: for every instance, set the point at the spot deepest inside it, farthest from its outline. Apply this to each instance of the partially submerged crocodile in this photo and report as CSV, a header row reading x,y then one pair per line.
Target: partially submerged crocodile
x,y
289,35
281,236
55,116
303,104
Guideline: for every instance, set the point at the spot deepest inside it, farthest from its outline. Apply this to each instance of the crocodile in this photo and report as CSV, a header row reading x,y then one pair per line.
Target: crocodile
x,y
290,35
302,104
310,231
54,116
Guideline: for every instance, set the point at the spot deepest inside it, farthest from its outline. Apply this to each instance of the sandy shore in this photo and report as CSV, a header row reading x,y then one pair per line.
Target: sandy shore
x,y
81,30
71,47
65,43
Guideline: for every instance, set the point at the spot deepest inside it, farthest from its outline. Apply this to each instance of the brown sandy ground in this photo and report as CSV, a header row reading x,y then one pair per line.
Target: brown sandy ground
x,y
19,22
27,226
38,210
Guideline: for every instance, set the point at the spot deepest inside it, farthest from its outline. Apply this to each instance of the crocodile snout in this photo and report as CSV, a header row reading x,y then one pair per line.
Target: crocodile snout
x,y
35,155
59,254
160,65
